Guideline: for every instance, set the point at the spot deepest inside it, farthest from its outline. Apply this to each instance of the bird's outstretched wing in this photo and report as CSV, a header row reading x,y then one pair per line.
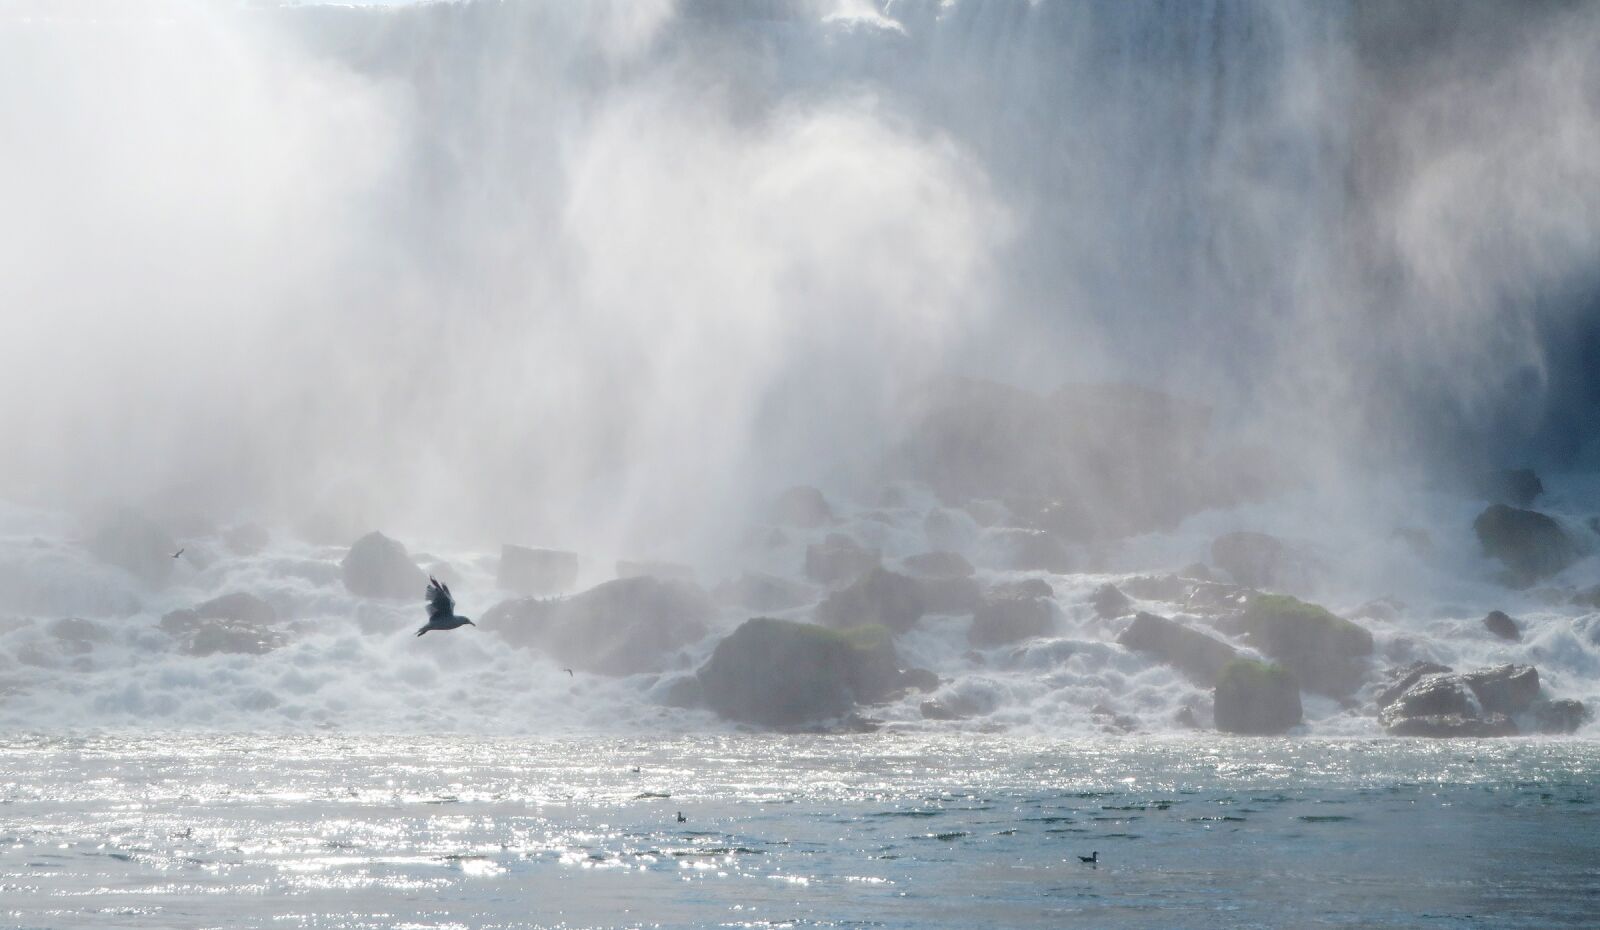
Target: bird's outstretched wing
x,y
440,603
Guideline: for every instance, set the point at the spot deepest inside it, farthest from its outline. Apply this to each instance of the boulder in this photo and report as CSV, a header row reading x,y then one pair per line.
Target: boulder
x,y
839,560
1519,487
1199,657
1432,695
246,539
78,636
1327,654
939,564
378,566
1028,550
1502,626
878,597
1256,698
621,627
1022,587
1531,545
1003,620
1588,597
1257,560
684,691
1401,679
1444,726
673,571
778,673
802,507
536,572
764,593
1504,689
1109,602
919,679
938,710
133,542
1560,716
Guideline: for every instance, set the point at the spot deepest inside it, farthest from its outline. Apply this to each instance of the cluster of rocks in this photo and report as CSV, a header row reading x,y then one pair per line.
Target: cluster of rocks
x,y
1427,699
233,624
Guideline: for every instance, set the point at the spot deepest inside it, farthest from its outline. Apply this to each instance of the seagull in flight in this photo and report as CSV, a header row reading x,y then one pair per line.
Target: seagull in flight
x,y
178,553
442,609
569,672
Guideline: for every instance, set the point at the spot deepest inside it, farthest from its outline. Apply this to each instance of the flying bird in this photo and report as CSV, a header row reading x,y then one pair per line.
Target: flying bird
x,y
1093,858
569,672
442,609
178,553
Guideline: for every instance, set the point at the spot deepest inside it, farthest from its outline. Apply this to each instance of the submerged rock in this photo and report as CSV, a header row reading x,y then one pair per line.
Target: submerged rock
x,y
1109,602
1561,716
1199,657
778,673
135,543
1502,626
802,507
1531,545
378,566
1327,654
839,560
1444,726
620,627
878,597
1003,620
1256,698
536,572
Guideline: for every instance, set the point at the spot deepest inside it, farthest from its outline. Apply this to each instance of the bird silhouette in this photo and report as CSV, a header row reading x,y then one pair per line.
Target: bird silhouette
x,y
1093,858
569,673
442,609
178,553
681,818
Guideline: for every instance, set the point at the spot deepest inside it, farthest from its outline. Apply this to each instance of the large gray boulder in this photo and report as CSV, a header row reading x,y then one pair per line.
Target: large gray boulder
x,y
622,627
1478,703
1504,689
536,572
878,597
1328,655
1531,545
1002,620
1501,625
839,560
233,624
1565,715
1256,698
1199,657
135,543
377,566
1401,679
777,673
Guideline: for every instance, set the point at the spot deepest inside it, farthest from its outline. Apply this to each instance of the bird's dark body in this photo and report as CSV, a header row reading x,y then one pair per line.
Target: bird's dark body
x,y
442,609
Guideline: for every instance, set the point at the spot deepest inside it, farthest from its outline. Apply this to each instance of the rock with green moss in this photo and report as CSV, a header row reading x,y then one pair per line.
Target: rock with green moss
x,y
1328,654
782,674
1199,657
1256,698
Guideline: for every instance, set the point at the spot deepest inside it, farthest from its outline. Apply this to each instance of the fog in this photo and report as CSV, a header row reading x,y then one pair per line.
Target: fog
x,y
609,275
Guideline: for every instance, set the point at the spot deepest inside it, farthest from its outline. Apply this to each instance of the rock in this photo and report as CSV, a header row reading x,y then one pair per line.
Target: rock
x,y
685,691
1327,654
1561,716
1441,726
1199,657
1028,550
1185,717
1504,689
1589,597
1158,587
1531,545
1256,698
1257,560
839,560
1432,695
134,543
621,627
803,507
1003,620
939,564
1109,602
378,566
919,679
1519,487
936,710
1198,571
78,636
764,593
672,571
246,539
778,673
879,597
1112,722
1502,626
1022,587
239,607
537,572
1401,679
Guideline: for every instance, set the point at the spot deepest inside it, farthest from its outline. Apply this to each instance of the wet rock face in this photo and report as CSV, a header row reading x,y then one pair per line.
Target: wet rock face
x,y
536,572
621,627
1256,698
1477,703
1519,487
1502,626
1561,716
1401,679
1443,726
1530,545
233,624
1199,657
1432,695
802,507
1109,602
777,673
1003,620
839,560
879,597
136,544
1327,654
1504,689
378,566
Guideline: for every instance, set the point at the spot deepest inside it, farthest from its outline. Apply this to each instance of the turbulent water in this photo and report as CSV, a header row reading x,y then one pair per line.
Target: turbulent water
x,y
445,832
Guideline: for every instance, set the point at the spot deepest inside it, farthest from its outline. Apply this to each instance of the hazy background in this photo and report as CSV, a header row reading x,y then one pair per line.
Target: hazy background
x,y
606,274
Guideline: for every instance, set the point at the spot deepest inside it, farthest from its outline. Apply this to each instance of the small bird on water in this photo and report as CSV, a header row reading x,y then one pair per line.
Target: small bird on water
x,y
681,818
1093,858
442,609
